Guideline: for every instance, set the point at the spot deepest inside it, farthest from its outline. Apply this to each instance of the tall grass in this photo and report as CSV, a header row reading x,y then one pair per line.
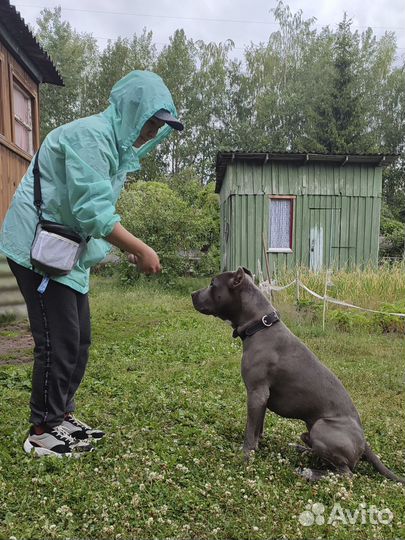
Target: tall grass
x,y
372,288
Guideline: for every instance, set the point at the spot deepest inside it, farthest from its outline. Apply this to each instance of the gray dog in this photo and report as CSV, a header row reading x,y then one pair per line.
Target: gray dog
x,y
281,374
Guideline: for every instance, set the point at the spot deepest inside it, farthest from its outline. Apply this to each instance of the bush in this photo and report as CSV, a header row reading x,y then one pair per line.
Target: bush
x,y
390,323
392,241
209,263
155,213
347,320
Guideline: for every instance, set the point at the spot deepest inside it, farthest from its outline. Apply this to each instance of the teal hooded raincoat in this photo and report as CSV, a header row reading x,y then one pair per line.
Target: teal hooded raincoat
x,y
83,167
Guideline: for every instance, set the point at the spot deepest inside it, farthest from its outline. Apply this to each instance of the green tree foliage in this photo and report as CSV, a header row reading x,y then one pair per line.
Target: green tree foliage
x,y
117,59
303,90
392,235
210,104
394,189
75,56
177,65
346,97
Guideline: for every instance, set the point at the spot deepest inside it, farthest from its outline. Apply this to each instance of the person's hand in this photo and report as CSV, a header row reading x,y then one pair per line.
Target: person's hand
x,y
146,260
140,253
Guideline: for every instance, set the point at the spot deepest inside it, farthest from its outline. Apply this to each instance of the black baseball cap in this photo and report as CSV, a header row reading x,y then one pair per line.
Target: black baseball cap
x,y
169,119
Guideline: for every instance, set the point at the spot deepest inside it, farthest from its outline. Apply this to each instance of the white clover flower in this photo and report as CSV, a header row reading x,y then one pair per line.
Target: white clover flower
x,y
182,468
64,509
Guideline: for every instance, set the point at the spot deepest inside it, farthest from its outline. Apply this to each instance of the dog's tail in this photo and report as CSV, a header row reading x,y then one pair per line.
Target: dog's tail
x,y
379,465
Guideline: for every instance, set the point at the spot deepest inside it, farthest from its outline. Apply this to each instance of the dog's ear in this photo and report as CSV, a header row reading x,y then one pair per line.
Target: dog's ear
x,y
248,272
237,278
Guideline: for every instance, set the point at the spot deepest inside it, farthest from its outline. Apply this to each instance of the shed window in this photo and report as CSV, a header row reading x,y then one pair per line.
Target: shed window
x,y
23,132
281,224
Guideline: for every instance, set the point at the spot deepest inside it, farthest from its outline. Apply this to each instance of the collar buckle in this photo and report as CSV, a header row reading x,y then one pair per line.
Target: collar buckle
x,y
265,323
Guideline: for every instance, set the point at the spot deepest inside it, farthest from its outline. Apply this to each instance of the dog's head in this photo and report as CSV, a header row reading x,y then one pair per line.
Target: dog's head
x,y
222,297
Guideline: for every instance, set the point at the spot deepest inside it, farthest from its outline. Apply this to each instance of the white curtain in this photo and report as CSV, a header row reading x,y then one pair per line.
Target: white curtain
x,y
280,223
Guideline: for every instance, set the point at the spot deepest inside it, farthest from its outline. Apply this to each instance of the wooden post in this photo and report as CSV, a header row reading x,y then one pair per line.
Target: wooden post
x,y
266,258
324,299
297,284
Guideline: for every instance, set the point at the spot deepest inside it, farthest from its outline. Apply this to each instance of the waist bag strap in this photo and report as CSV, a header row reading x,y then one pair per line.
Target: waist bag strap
x,y
37,186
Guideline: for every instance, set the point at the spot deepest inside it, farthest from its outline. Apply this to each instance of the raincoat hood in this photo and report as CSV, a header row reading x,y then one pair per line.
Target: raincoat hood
x,y
133,101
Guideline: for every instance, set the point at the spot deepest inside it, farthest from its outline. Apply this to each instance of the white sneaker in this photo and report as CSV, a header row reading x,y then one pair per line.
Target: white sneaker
x,y
54,441
79,430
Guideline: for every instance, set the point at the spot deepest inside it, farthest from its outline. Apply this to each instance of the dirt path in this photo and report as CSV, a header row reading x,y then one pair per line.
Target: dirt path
x,y
16,344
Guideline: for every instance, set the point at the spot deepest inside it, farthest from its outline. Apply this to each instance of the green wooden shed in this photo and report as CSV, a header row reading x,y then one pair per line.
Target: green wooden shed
x,y
314,210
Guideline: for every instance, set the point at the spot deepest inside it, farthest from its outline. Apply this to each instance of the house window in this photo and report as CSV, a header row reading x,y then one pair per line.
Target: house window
x,y
23,132
281,212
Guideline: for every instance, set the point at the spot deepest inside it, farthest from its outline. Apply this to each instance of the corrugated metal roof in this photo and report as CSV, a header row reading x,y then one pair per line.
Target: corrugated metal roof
x,y
23,43
260,158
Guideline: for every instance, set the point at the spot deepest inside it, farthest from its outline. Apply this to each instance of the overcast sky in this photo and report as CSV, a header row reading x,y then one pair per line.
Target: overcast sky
x,y
215,20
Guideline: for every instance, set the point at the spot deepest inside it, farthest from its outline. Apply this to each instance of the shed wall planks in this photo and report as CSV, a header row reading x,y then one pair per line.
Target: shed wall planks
x,y
342,201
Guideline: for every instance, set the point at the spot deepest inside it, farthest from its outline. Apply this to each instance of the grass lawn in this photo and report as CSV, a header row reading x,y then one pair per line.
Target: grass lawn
x,y
164,381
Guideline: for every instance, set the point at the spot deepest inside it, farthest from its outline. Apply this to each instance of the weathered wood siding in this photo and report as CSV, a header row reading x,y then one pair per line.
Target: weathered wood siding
x,y
12,169
339,206
13,160
13,164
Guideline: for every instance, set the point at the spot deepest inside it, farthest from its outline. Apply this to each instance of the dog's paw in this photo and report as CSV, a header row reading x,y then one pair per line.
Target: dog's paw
x,y
304,450
305,473
248,455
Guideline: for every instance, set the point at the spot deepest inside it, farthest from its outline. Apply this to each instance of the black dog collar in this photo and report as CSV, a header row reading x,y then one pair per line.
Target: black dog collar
x,y
265,322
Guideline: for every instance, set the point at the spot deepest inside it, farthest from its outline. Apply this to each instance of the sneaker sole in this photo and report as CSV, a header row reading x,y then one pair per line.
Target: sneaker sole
x,y
38,451
89,438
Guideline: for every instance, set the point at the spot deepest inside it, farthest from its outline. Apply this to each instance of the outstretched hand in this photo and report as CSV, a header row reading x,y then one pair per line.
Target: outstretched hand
x,y
147,261
139,253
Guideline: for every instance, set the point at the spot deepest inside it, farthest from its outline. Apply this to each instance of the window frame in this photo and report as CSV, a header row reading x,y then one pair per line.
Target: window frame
x,y
291,198
15,79
3,79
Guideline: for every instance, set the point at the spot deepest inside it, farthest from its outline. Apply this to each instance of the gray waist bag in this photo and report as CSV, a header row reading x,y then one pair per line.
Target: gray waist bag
x,y
56,248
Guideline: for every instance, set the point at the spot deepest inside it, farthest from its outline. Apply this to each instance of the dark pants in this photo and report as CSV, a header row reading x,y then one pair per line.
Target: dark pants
x,y
60,325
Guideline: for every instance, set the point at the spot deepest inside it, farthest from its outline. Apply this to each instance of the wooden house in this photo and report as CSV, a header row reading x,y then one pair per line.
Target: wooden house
x,y
24,65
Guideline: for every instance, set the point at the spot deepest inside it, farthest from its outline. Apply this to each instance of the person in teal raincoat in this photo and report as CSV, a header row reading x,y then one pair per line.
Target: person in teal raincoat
x,y
83,167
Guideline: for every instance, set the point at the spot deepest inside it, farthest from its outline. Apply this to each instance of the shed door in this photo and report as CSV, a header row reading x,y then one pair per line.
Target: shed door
x,y
323,237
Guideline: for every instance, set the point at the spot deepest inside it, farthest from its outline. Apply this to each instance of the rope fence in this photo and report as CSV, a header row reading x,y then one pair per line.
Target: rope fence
x,y
268,288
